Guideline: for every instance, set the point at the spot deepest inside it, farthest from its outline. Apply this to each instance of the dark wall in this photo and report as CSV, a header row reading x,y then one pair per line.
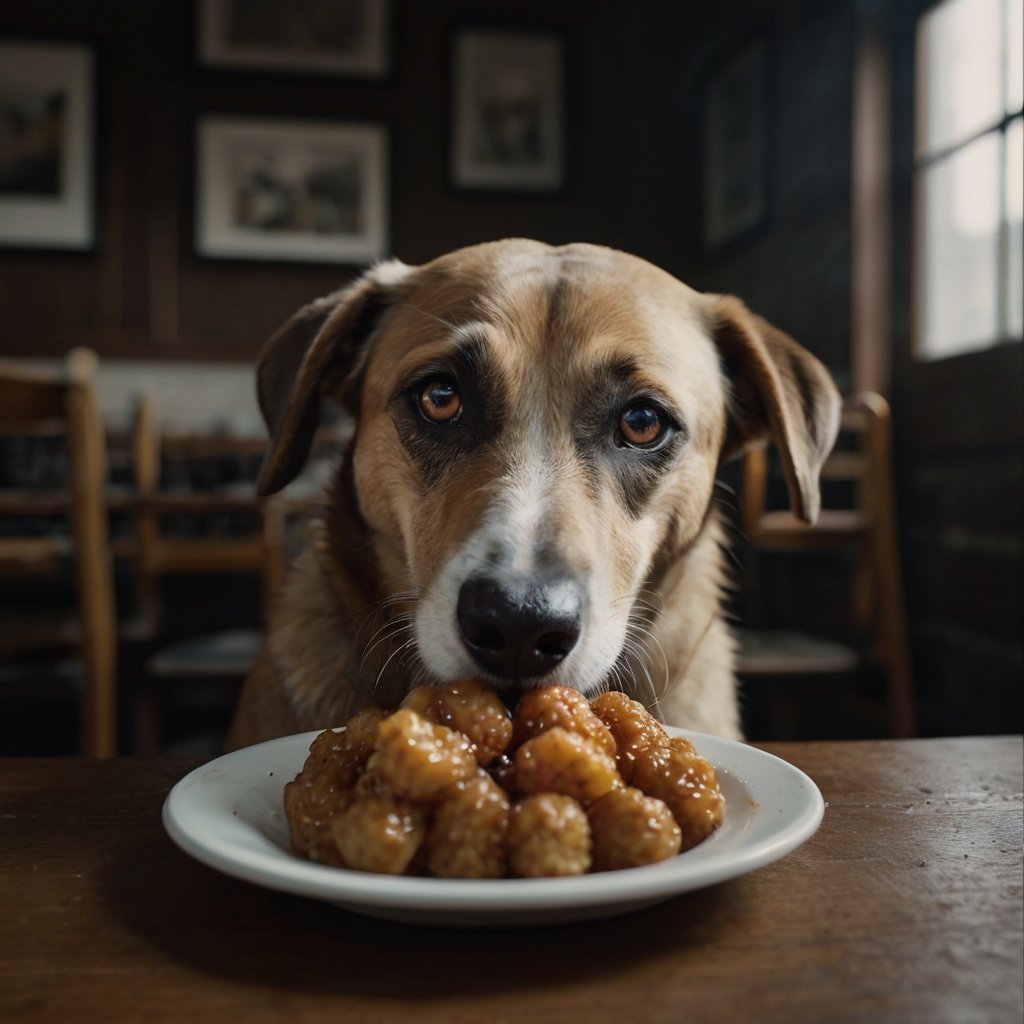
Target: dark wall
x,y
635,78
144,293
795,268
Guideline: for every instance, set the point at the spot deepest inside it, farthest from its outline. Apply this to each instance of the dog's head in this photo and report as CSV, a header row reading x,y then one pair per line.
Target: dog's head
x,y
536,429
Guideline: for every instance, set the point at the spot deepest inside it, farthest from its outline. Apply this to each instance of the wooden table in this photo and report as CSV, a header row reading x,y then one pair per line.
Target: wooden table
x,y
905,906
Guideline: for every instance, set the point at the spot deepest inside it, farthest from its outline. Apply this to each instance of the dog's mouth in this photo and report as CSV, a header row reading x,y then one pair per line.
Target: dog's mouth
x,y
519,634
520,613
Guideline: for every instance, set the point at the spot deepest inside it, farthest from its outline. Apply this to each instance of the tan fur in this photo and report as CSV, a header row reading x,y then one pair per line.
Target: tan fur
x,y
368,609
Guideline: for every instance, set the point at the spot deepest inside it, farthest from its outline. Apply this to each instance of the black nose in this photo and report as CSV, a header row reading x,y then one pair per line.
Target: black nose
x,y
522,628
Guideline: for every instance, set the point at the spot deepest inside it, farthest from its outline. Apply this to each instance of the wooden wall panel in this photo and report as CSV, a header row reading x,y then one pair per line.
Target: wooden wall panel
x,y
145,294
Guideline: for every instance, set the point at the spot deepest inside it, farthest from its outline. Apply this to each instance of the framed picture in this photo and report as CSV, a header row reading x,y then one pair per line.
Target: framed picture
x,y
735,141
47,145
507,128
318,37
306,191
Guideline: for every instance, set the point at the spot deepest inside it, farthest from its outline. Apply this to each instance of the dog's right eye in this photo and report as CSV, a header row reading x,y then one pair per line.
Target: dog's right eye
x,y
642,425
440,401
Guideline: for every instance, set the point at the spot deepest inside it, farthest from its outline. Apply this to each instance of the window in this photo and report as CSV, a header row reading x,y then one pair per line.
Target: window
x,y
969,176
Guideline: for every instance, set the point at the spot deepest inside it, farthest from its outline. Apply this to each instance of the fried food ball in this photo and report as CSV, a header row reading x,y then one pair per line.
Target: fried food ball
x,y
320,790
311,800
467,837
560,761
471,707
377,830
418,759
361,730
634,729
428,788
348,750
630,829
548,835
686,782
559,707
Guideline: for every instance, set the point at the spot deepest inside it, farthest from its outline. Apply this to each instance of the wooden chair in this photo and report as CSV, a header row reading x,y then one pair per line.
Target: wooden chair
x,y
861,466
221,655
63,405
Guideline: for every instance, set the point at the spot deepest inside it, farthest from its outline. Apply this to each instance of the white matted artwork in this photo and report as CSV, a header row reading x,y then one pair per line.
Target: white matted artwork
x,y
306,191
508,111
735,140
47,145
320,37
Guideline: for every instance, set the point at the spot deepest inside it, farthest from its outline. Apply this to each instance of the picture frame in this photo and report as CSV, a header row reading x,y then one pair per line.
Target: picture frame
x,y
735,146
507,119
308,37
47,145
284,189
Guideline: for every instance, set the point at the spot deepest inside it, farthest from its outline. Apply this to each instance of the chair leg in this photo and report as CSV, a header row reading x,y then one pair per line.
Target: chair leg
x,y
98,707
893,636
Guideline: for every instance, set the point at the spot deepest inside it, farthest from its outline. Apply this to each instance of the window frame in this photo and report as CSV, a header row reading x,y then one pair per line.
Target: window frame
x,y
923,160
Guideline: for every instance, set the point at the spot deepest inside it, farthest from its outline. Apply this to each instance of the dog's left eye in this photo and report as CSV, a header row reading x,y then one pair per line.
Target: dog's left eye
x,y
642,425
440,401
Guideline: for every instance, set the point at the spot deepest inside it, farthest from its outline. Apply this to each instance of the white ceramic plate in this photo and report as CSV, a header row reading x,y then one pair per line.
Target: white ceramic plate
x,y
228,814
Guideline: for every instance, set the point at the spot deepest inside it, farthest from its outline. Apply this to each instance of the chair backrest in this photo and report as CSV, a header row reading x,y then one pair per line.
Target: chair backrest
x,y
858,514
855,480
64,402
162,552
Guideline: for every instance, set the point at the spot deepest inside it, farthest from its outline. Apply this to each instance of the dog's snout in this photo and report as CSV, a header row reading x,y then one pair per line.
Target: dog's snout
x,y
519,630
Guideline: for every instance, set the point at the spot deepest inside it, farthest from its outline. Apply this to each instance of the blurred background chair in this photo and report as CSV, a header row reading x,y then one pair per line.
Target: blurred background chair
x,y
200,524
198,521
59,624
858,517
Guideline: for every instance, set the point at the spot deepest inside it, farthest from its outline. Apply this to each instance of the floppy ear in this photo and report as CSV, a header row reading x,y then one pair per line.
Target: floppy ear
x,y
320,350
777,390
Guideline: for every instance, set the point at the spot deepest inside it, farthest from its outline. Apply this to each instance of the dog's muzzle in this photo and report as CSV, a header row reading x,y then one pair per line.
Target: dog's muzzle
x,y
520,628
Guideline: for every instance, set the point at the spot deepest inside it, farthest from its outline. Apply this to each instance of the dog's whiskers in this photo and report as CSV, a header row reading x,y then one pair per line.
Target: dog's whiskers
x,y
381,629
398,651
389,631
636,661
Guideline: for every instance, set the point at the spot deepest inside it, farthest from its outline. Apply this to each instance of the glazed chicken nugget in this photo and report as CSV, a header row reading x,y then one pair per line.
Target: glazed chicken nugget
x,y
630,829
676,774
560,761
349,749
418,759
634,729
548,835
378,831
467,837
361,731
311,800
471,707
320,790
559,707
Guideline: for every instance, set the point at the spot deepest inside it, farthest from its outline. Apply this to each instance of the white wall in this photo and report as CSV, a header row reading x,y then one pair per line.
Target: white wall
x,y
188,396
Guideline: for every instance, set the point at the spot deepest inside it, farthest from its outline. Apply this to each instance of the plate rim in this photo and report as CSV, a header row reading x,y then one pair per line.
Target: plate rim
x,y
282,871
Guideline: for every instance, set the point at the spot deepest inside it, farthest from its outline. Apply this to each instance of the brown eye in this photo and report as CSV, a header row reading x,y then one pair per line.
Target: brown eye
x,y
641,425
440,401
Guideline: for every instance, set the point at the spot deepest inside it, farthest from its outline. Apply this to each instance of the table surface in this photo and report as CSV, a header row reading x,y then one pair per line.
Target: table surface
x,y
905,906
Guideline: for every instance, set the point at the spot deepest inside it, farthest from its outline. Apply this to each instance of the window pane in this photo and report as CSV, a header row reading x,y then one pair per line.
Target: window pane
x,y
1015,228
1014,55
960,252
960,84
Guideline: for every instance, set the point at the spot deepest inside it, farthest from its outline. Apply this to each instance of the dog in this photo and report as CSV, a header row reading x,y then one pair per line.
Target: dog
x,y
527,495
